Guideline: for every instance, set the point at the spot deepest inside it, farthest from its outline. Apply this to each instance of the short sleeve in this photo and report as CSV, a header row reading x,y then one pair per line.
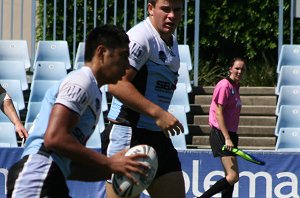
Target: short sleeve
x,y
73,96
221,95
138,54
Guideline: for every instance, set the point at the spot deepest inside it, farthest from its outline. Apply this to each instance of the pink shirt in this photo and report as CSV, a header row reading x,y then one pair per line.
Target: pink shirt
x,y
226,94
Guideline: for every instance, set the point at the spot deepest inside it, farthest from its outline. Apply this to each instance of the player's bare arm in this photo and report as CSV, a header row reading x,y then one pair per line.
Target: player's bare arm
x,y
59,138
223,128
136,101
9,110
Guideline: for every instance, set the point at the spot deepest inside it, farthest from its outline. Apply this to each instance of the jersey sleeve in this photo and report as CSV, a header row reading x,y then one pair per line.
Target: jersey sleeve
x,y
221,95
73,96
138,54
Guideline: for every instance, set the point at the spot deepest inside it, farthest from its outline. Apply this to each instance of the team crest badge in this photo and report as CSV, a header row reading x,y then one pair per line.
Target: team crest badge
x,y
162,56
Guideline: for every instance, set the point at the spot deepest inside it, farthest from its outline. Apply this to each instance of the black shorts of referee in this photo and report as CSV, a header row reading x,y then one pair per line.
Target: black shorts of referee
x,y
217,141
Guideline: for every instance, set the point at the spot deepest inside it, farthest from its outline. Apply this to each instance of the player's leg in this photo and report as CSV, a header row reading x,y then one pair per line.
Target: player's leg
x,y
119,139
229,163
110,193
225,184
231,174
168,185
231,168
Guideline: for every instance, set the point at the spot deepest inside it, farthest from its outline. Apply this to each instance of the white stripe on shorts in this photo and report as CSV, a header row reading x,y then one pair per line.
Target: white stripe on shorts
x,y
31,179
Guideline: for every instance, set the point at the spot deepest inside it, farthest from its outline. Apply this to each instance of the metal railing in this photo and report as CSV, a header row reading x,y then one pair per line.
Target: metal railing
x,y
14,23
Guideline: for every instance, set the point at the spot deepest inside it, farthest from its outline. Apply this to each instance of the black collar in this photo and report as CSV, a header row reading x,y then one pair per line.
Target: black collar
x,y
230,80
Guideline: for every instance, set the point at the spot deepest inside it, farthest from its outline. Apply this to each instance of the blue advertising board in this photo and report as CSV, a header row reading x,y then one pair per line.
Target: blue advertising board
x,y
278,178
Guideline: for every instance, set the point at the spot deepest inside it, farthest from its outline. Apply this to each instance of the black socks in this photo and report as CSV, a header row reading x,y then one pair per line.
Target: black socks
x,y
221,185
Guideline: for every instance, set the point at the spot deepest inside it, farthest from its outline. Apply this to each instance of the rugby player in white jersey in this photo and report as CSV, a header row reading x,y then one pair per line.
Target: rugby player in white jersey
x,y
55,150
140,115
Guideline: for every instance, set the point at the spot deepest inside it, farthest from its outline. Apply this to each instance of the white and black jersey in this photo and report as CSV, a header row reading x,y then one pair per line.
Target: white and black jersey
x,y
157,67
42,173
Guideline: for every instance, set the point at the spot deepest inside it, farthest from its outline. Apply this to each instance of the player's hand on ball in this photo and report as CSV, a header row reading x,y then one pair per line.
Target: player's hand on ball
x,y
123,186
126,165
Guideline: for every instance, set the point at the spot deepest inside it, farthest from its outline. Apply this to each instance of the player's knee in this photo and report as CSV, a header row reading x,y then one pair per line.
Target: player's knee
x,y
232,178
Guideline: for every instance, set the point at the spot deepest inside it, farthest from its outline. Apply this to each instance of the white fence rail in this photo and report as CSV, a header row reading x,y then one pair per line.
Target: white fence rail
x,y
19,21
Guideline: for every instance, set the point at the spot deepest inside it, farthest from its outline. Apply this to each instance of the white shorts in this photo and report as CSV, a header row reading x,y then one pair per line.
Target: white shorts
x,y
119,139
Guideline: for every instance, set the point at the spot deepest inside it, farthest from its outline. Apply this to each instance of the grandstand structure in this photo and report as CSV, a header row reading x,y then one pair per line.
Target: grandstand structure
x,y
44,62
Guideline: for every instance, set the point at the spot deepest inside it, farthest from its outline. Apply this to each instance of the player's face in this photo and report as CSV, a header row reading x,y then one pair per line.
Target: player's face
x,y
116,64
165,16
237,70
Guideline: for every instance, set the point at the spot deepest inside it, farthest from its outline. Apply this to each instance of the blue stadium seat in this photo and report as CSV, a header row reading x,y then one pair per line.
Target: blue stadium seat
x,y
33,110
289,95
49,71
289,55
14,89
288,140
39,88
179,112
15,50
180,97
14,70
101,123
79,59
52,51
95,140
8,136
289,75
179,141
104,105
185,56
289,116
184,76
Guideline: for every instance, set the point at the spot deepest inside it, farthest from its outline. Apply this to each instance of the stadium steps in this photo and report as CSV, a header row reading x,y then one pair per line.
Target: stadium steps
x,y
257,121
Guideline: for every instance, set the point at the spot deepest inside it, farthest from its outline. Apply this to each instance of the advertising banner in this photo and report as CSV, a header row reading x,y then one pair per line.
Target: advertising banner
x,y
279,177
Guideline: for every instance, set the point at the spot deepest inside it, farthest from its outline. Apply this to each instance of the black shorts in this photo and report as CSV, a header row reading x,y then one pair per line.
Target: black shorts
x,y
168,160
217,141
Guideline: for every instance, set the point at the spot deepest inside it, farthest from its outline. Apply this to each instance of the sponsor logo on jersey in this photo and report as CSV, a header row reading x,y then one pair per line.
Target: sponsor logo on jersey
x,y
165,85
162,56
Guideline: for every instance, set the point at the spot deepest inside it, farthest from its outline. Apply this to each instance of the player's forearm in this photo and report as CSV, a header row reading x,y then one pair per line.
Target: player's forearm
x,y
10,111
132,98
223,128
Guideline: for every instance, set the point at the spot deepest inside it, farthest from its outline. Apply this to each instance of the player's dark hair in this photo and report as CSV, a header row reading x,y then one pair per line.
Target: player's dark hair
x,y
153,2
232,61
110,36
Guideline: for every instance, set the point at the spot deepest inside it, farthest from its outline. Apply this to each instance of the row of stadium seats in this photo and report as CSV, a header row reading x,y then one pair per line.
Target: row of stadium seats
x,y
288,104
58,51
51,64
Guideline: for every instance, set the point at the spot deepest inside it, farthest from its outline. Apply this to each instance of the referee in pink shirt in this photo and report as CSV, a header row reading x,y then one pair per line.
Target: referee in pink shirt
x,y
224,117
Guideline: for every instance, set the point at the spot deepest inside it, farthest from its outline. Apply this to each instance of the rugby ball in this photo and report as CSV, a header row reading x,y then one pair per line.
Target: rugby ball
x,y
123,187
